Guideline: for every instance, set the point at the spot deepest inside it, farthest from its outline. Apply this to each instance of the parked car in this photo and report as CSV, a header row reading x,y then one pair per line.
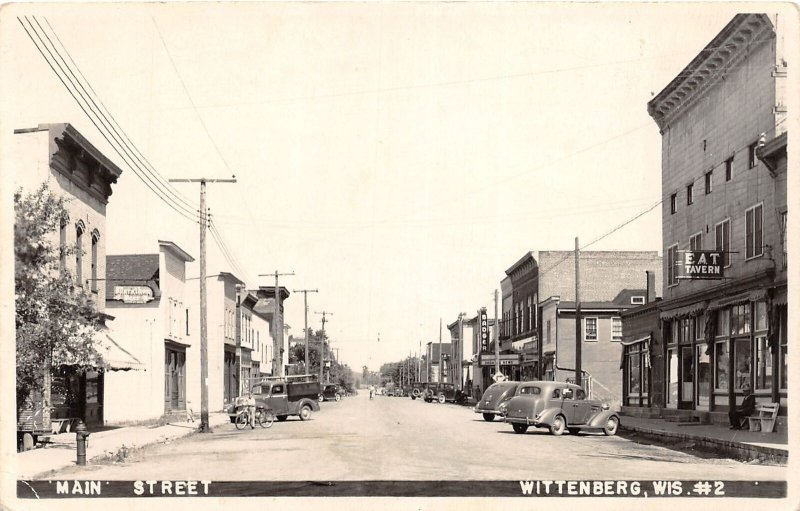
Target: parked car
x,y
441,392
417,389
330,392
558,407
493,397
285,396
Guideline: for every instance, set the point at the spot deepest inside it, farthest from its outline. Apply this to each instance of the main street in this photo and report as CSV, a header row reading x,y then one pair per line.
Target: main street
x,y
393,438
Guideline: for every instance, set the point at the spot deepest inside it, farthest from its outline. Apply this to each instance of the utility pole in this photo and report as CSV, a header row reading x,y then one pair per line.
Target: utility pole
x,y
204,425
441,373
496,337
322,343
305,313
460,349
578,336
277,354
419,362
239,383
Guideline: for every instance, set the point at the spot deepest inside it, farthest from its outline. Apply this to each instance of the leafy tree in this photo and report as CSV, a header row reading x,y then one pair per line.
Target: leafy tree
x,y
55,320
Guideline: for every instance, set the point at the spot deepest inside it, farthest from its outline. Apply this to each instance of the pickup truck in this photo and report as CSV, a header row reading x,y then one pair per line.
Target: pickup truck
x,y
285,396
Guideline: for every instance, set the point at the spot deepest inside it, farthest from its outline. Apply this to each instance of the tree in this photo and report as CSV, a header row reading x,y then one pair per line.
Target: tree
x,y
55,320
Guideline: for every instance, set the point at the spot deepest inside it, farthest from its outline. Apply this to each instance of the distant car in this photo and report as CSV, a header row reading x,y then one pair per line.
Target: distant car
x,y
493,397
330,393
559,407
441,393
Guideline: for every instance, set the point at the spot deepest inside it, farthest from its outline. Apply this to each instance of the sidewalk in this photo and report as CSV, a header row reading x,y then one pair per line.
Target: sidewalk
x,y
61,451
740,444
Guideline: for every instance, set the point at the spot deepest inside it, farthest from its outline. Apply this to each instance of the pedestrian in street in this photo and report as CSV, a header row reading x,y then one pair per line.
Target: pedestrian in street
x,y
371,391
744,410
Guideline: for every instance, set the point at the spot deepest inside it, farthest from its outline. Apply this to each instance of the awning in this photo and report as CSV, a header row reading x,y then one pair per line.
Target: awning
x,y
115,357
750,296
646,338
686,311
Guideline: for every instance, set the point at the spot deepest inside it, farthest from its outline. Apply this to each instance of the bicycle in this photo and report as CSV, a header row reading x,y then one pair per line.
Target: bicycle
x,y
264,417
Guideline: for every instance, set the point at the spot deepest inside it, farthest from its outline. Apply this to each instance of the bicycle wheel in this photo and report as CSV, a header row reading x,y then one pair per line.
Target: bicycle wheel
x,y
264,418
241,420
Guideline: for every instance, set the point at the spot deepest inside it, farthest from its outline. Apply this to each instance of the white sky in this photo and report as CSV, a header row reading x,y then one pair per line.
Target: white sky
x,y
399,157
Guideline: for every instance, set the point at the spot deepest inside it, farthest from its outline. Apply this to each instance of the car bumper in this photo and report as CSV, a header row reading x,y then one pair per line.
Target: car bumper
x,y
520,420
485,410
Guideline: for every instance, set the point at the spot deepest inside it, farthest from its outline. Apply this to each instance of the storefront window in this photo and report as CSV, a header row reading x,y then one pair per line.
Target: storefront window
x,y
741,358
723,321
740,319
699,327
761,315
687,374
721,365
686,330
634,372
672,371
763,363
703,376
645,371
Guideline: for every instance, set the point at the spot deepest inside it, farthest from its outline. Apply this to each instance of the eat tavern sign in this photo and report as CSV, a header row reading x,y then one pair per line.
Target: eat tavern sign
x,y
703,265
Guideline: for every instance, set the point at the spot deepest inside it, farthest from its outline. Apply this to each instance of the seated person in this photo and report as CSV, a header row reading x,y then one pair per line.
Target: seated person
x,y
741,412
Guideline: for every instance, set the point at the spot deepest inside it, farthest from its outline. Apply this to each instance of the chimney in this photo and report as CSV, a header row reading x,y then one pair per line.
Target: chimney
x,y
651,286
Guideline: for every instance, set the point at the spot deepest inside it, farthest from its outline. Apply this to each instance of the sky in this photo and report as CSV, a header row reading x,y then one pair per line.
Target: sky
x,y
399,157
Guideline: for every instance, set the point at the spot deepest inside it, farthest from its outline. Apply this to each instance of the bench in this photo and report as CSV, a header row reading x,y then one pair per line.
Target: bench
x,y
764,418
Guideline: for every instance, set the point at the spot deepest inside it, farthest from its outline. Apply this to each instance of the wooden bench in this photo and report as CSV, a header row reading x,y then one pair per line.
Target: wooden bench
x,y
764,418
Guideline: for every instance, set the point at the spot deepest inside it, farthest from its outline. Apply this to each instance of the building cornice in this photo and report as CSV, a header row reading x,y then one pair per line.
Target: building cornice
x,y
723,53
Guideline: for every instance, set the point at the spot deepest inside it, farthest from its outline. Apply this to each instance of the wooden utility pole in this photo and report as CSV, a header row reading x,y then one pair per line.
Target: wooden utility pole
x,y
578,336
277,354
204,425
496,337
305,313
322,343
441,373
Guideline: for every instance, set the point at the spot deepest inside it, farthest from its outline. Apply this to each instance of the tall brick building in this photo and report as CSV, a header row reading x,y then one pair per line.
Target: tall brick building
x,y
541,299
724,173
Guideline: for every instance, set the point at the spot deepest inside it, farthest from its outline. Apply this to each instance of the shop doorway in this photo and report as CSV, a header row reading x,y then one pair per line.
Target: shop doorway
x,y
686,397
174,378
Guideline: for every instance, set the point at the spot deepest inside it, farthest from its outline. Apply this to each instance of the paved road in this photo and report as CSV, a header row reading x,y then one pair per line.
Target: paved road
x,y
392,438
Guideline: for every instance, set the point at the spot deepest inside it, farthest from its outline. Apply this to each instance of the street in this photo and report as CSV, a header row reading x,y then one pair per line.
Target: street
x,y
394,438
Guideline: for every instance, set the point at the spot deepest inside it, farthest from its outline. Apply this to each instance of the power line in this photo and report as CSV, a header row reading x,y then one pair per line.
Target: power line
x,y
167,185
63,79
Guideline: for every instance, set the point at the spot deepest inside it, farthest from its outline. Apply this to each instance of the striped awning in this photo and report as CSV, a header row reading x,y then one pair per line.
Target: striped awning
x,y
686,311
750,296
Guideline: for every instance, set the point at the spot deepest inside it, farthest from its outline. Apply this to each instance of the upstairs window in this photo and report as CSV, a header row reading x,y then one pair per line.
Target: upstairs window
x,y
709,181
95,241
729,169
783,237
722,234
62,246
616,329
79,229
696,242
690,194
751,155
672,262
673,203
637,300
590,329
753,232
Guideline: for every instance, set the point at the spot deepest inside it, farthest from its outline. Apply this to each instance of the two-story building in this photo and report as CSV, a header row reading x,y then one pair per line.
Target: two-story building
x,y
59,155
154,322
723,176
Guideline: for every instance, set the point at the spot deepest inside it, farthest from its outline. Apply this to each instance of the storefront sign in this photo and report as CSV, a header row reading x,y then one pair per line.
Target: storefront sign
x,y
505,360
133,294
484,319
703,265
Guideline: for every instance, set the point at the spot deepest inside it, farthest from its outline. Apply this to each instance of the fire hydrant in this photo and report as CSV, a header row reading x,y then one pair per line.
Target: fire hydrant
x,y
81,439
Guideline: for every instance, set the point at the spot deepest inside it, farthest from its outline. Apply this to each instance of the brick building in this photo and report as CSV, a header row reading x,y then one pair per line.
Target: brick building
x,y
724,173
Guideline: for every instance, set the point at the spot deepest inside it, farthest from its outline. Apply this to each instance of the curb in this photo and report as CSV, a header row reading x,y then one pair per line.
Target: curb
x,y
736,450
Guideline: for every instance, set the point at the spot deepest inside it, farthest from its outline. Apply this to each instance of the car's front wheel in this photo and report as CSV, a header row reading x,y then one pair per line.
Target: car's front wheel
x,y
488,417
558,425
320,398
520,428
338,397
611,426
441,399
305,413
